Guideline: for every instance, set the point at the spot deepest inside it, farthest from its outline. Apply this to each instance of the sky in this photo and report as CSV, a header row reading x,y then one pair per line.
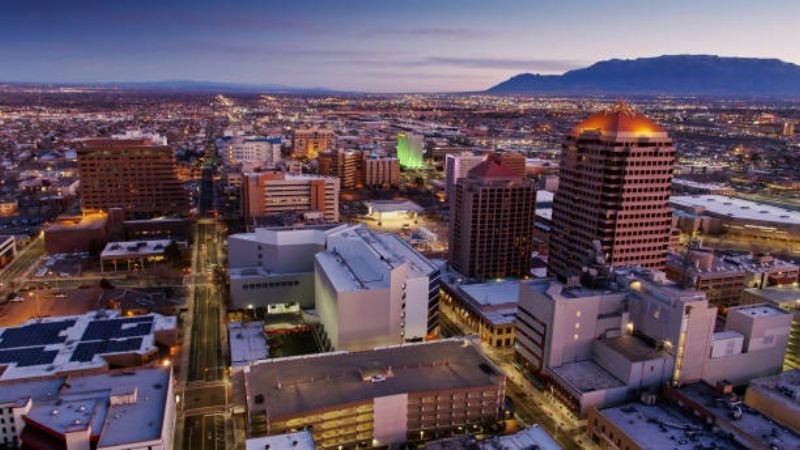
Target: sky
x,y
372,45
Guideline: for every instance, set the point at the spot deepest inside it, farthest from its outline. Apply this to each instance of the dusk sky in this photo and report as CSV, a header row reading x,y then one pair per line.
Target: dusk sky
x,y
372,45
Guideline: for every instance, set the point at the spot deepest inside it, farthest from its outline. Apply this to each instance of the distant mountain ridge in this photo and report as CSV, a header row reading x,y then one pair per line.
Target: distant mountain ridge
x,y
194,86
670,74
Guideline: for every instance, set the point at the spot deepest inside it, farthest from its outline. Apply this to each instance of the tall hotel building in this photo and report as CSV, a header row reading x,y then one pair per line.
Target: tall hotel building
x,y
615,179
136,175
268,193
309,142
491,222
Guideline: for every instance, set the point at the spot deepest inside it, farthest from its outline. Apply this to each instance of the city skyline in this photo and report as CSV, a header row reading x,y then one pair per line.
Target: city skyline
x,y
451,45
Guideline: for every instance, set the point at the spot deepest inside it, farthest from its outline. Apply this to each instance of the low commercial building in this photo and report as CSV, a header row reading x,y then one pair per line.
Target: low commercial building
x,y
248,343
381,210
533,437
722,281
778,397
638,426
71,234
375,398
718,214
724,276
131,409
90,343
787,298
684,186
718,407
300,440
488,309
134,254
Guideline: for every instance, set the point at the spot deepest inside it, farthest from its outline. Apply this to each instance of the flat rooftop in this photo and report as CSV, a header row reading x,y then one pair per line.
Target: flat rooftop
x,y
386,206
135,248
701,186
664,427
493,293
752,423
757,311
786,296
783,388
53,346
586,376
122,407
293,386
358,258
301,440
248,342
633,348
737,208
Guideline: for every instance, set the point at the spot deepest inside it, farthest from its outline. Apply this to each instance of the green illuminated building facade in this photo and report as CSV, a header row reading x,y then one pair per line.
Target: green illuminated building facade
x,y
409,150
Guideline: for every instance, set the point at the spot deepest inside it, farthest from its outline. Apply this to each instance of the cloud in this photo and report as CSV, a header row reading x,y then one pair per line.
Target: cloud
x,y
444,32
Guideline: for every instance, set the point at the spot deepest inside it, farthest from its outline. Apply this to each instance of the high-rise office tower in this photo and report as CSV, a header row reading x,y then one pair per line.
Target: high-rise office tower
x,y
136,175
616,172
491,222
409,150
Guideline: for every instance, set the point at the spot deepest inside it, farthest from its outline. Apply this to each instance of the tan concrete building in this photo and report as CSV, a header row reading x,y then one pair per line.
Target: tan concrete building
x,y
380,171
491,222
268,193
787,298
375,398
309,142
132,174
359,168
614,187
778,397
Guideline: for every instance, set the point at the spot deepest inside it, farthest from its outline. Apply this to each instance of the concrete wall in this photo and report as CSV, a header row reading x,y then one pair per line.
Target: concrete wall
x,y
288,258
416,308
302,293
364,321
741,368
390,419
325,303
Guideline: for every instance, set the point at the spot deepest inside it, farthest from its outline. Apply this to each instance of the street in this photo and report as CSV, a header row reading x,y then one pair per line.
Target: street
x,y
207,423
530,405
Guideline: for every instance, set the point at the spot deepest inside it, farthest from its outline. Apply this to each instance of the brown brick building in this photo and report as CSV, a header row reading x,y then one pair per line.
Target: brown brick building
x,y
132,174
491,222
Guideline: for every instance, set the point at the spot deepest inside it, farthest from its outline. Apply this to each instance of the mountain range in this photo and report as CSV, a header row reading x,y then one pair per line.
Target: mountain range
x,y
670,74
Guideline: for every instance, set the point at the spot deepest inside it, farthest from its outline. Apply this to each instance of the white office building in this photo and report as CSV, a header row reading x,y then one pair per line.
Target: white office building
x,y
373,289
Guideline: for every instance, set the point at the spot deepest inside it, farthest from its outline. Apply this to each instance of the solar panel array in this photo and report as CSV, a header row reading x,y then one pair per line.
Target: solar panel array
x,y
118,328
35,334
25,345
33,356
85,351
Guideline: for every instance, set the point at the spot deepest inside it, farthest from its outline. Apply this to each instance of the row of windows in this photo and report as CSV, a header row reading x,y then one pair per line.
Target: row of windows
x,y
271,284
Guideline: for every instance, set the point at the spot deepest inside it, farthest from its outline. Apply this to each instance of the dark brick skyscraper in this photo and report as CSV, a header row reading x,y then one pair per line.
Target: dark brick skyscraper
x,y
491,222
615,180
132,174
